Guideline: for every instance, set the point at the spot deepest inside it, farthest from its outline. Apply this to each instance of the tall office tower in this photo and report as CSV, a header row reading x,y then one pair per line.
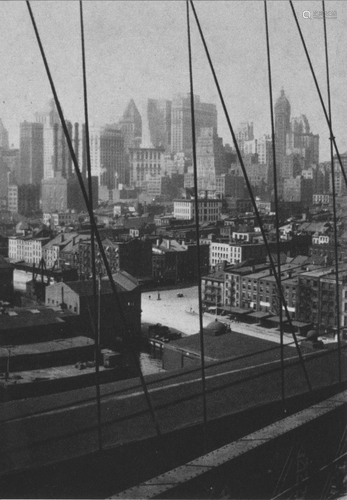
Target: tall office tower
x,y
146,164
30,153
340,185
131,126
108,157
159,122
54,194
62,157
181,121
300,140
264,149
244,133
56,156
282,127
11,160
210,157
4,143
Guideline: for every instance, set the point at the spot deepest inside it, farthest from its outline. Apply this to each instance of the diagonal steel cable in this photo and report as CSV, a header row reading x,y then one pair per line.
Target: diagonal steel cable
x,y
90,191
249,187
196,202
275,195
332,137
334,195
130,337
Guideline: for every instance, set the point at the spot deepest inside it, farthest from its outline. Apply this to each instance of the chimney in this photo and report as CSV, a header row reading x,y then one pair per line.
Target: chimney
x,y
62,237
168,243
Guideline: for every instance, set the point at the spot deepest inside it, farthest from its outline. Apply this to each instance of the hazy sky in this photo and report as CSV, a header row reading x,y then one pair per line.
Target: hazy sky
x,y
138,49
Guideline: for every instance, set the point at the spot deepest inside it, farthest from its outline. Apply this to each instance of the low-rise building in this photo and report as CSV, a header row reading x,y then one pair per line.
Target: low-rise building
x,y
235,252
209,209
6,280
60,218
77,297
28,249
133,256
212,288
175,262
322,199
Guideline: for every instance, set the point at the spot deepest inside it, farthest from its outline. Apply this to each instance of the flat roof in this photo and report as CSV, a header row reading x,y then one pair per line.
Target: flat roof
x,y
259,314
300,324
245,349
276,319
236,310
26,318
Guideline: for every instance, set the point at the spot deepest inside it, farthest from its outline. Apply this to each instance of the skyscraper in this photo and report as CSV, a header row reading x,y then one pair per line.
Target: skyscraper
x,y
30,153
131,126
244,133
301,141
107,155
282,128
4,143
210,157
56,156
181,121
159,122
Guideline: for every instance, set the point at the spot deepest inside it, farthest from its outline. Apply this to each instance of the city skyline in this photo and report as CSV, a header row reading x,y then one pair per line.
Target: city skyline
x,y
150,41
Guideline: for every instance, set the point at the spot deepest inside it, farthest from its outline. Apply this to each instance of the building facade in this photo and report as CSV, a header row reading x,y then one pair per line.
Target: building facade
x,y
159,122
209,209
181,121
31,153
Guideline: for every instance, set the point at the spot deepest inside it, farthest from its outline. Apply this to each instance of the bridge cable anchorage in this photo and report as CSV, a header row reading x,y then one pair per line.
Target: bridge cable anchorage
x,y
334,198
90,191
319,92
276,200
250,191
196,203
129,339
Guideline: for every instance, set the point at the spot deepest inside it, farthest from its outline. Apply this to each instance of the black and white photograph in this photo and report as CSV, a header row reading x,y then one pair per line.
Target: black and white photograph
x,y
173,249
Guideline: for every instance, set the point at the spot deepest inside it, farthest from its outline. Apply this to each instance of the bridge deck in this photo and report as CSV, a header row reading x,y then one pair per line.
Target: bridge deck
x,y
202,465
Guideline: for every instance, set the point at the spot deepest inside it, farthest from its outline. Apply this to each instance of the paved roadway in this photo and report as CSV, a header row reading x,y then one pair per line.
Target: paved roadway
x,y
40,431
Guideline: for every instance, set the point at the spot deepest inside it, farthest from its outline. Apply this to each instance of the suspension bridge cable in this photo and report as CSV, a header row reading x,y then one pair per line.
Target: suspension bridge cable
x,y
129,340
92,242
334,195
196,203
332,137
275,197
250,193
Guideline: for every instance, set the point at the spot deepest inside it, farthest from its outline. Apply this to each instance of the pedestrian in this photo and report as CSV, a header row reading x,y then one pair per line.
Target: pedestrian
x,y
149,296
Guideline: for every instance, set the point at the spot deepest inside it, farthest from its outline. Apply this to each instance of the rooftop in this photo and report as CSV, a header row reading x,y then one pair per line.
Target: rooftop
x,y
24,318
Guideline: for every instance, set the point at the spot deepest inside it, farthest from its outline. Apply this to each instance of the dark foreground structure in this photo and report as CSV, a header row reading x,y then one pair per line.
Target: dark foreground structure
x,y
56,436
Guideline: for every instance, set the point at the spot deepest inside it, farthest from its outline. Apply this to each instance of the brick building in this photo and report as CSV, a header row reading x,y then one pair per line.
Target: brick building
x,y
133,256
174,262
77,297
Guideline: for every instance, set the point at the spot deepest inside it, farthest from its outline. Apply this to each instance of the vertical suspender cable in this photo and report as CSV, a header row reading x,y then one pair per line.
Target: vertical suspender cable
x,y
250,191
276,199
334,196
196,202
93,223
92,242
